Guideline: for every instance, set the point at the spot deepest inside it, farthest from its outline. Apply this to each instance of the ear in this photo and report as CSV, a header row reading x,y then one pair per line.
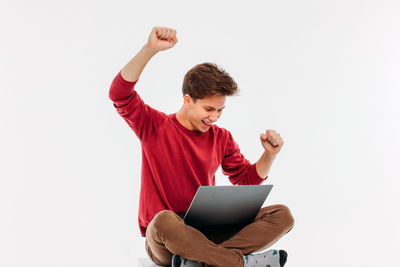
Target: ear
x,y
187,100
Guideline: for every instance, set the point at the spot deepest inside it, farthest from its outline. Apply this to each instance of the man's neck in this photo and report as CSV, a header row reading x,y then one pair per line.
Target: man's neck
x,y
182,117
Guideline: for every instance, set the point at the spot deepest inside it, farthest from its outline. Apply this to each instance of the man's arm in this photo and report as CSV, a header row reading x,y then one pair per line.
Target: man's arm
x,y
237,167
263,165
142,118
160,39
135,66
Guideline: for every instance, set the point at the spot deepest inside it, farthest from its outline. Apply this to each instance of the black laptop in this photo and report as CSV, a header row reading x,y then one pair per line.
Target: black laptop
x,y
221,205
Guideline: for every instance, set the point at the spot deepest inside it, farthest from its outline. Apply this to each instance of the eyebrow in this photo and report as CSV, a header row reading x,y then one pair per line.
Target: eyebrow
x,y
212,107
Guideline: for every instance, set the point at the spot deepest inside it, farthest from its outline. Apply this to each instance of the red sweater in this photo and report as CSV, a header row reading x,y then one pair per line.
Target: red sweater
x,y
176,160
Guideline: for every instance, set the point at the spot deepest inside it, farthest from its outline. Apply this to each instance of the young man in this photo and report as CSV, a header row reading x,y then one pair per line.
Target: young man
x,y
181,152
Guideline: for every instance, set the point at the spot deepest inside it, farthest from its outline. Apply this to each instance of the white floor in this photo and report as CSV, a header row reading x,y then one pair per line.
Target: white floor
x,y
146,262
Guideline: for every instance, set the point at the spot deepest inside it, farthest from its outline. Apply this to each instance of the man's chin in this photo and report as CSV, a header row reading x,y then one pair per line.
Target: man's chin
x,y
202,130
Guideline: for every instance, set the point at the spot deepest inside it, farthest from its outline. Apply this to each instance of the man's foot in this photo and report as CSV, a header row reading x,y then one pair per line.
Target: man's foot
x,y
269,258
178,261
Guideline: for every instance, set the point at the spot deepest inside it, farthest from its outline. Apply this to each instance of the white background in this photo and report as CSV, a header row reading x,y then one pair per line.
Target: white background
x,y
324,74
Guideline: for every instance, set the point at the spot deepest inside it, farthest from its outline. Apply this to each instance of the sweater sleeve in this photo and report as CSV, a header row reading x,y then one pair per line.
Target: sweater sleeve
x,y
237,167
143,119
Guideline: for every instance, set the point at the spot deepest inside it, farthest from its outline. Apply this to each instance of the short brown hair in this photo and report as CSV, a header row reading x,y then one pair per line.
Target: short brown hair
x,y
207,79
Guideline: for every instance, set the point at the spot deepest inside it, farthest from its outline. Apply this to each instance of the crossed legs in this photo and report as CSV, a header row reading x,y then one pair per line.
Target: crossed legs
x,y
167,235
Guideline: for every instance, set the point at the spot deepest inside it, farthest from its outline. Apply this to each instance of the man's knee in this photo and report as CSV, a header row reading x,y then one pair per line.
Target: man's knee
x,y
286,217
164,220
281,215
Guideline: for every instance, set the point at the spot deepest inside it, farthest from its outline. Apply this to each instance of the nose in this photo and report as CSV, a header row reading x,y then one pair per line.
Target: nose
x,y
214,117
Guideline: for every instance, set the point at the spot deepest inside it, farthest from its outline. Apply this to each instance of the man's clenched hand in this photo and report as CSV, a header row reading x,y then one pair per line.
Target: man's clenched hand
x,y
272,142
162,38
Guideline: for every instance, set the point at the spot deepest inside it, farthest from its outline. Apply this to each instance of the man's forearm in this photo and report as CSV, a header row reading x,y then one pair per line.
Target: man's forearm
x,y
135,66
263,165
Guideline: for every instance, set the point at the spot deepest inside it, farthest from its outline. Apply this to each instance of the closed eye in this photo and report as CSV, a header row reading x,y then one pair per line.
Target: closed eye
x,y
211,109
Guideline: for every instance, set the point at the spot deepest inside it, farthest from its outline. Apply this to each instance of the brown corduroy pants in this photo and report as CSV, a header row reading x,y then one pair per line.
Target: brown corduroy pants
x,y
219,246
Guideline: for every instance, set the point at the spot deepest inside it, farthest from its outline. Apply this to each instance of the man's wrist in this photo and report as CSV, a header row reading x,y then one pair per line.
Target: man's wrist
x,y
149,50
269,156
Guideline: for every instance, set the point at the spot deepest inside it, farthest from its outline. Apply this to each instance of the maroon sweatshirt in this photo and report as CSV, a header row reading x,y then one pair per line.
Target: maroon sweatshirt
x,y
176,160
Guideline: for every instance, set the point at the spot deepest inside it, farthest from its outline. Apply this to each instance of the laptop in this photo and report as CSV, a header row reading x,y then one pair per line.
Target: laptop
x,y
221,205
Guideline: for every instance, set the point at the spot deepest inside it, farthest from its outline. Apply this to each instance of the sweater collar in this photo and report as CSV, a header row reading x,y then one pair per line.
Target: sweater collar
x,y
191,132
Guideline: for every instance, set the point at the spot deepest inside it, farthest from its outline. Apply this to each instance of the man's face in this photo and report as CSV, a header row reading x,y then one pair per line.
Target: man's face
x,y
204,112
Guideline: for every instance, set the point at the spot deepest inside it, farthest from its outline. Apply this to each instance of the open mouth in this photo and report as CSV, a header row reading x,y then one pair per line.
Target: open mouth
x,y
206,124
